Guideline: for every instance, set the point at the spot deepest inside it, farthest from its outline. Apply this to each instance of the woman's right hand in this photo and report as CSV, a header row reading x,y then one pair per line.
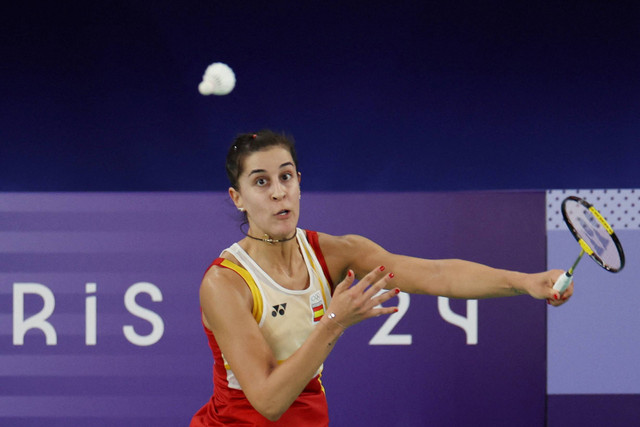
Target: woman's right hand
x,y
351,304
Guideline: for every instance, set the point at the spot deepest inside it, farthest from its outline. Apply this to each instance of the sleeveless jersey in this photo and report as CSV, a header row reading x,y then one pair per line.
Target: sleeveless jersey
x,y
286,318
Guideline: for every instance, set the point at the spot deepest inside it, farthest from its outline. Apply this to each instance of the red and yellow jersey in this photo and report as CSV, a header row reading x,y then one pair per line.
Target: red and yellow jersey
x,y
286,318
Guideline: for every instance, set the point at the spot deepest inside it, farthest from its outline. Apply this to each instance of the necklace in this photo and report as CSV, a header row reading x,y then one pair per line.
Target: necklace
x,y
266,237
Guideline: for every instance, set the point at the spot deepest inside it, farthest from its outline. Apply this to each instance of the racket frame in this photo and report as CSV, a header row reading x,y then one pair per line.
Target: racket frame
x,y
585,247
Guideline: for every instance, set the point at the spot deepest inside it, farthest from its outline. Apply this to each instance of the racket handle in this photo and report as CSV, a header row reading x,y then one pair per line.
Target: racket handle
x,y
563,282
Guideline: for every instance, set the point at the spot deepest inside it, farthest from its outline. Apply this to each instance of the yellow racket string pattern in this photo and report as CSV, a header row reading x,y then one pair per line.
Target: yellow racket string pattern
x,y
601,219
585,247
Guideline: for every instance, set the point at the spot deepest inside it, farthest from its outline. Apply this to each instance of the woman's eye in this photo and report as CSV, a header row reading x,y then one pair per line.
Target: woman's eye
x,y
261,182
286,177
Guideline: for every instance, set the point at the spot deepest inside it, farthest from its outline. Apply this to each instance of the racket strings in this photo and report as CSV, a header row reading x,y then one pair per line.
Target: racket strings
x,y
595,235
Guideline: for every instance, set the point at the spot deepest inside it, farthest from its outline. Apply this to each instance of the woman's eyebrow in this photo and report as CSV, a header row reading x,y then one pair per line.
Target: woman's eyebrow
x,y
257,171
263,171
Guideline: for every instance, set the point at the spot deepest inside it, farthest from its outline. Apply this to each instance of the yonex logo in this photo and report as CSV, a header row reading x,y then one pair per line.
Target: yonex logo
x,y
279,309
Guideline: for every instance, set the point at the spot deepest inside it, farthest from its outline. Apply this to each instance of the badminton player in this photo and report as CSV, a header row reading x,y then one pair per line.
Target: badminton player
x,y
275,303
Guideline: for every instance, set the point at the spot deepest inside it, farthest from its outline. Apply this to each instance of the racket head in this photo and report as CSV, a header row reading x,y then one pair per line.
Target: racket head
x,y
593,233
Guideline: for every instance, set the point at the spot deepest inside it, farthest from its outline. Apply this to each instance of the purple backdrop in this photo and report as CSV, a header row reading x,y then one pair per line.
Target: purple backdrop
x,y
150,362
439,379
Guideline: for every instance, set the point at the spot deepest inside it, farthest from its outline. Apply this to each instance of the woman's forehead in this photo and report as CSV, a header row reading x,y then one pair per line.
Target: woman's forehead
x,y
267,159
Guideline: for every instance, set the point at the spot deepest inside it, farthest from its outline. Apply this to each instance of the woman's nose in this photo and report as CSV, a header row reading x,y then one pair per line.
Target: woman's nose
x,y
278,191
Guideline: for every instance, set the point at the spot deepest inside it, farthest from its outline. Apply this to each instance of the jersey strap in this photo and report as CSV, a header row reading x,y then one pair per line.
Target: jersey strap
x,y
312,238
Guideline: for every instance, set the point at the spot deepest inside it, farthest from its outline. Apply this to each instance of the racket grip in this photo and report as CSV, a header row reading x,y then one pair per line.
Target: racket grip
x,y
563,282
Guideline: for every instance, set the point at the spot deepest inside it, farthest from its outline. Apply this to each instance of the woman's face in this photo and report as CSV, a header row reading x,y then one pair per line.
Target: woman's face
x,y
269,191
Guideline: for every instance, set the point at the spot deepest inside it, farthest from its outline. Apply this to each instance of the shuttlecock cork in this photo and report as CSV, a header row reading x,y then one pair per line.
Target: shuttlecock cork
x,y
218,79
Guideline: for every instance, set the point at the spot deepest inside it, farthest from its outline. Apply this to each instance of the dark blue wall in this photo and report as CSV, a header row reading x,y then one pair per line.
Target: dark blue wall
x,y
410,95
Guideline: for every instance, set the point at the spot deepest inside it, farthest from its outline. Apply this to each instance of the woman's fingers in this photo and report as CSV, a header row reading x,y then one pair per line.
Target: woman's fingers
x,y
561,299
383,297
346,282
354,303
371,279
377,309
368,290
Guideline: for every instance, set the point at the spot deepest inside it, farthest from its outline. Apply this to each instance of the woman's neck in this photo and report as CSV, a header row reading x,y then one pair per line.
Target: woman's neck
x,y
283,262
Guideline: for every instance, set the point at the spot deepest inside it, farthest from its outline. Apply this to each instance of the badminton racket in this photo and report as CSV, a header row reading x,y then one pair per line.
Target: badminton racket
x,y
595,236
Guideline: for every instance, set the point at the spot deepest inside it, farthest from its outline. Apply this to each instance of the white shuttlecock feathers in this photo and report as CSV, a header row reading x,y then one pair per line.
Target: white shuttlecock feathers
x,y
218,79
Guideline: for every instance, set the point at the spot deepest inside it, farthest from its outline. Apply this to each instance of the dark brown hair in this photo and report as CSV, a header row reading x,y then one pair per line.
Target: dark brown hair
x,y
247,143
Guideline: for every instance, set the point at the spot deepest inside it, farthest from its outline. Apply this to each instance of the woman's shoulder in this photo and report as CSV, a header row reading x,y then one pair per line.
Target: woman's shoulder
x,y
345,251
351,251
224,271
223,290
226,255
223,286
345,243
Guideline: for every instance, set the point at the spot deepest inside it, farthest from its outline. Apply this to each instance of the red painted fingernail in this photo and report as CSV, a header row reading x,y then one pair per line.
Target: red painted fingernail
x,y
397,290
382,268
391,275
349,273
395,310
548,302
556,296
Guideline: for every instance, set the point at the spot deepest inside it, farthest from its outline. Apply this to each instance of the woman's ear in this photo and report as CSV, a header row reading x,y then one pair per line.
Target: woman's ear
x,y
235,197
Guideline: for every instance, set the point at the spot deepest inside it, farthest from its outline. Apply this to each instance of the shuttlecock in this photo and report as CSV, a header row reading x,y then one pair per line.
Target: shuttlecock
x,y
218,79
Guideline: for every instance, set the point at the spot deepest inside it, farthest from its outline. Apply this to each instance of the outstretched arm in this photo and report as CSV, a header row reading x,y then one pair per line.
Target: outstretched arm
x,y
451,278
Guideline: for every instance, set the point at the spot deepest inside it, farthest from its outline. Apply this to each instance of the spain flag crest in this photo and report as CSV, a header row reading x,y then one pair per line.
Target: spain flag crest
x,y
317,306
